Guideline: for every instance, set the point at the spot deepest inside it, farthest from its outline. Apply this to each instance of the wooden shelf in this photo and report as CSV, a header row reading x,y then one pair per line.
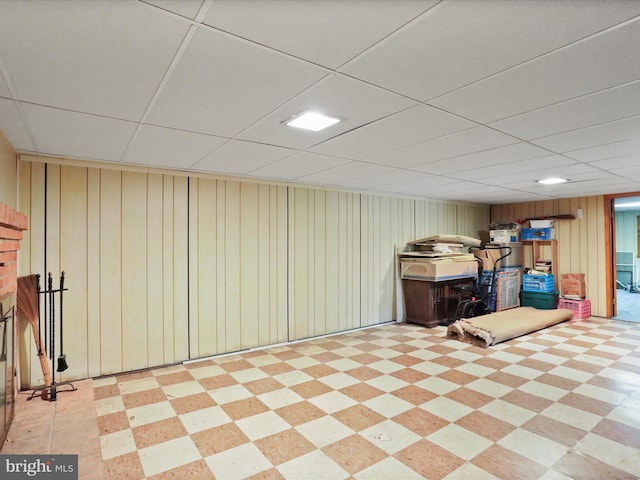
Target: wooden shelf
x,y
535,254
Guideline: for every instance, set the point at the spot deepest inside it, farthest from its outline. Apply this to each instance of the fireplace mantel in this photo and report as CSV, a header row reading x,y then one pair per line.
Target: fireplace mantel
x,y
12,223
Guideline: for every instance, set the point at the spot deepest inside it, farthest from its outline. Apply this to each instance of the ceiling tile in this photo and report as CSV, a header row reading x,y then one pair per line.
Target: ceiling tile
x,y
419,184
221,85
240,158
613,104
601,62
94,60
617,149
625,129
344,173
459,143
78,135
408,127
618,163
485,173
475,163
298,165
13,127
321,32
4,88
458,42
337,96
387,178
185,8
573,172
165,147
507,196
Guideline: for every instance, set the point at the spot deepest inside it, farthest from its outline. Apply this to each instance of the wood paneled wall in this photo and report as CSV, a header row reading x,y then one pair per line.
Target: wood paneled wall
x,y
581,243
162,267
324,262
386,224
237,265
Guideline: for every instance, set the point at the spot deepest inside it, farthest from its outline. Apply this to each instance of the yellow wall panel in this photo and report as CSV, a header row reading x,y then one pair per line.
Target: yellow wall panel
x,y
386,224
249,265
94,338
154,273
134,270
110,272
180,255
73,254
162,267
233,280
168,280
323,256
204,263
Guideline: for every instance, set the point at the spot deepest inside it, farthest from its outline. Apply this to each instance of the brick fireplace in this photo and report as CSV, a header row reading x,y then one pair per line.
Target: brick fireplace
x,y
12,223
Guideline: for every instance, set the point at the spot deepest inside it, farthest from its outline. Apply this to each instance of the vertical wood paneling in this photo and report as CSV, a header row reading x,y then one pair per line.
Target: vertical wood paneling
x,y
94,324
30,373
221,264
386,225
279,264
168,242
154,273
110,272
194,267
206,267
53,224
73,253
162,268
249,265
236,258
134,270
433,218
233,297
473,221
322,259
180,257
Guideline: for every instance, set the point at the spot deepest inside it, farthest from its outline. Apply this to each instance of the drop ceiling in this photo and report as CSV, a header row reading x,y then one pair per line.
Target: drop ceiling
x,y
461,100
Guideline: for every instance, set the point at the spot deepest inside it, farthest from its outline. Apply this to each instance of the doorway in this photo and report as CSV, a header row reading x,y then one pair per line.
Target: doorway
x,y
626,252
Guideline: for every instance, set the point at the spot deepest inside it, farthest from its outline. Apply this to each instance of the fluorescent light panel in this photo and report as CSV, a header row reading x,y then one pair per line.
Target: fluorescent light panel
x,y
627,205
313,121
552,181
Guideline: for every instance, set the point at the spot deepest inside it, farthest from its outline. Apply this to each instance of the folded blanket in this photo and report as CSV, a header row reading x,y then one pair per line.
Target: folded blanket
x,y
497,327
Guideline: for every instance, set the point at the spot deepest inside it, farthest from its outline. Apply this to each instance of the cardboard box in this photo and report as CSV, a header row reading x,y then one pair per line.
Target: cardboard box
x,y
437,269
488,257
572,285
503,236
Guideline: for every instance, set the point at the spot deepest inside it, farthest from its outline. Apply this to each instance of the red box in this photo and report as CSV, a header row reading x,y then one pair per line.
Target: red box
x,y
580,308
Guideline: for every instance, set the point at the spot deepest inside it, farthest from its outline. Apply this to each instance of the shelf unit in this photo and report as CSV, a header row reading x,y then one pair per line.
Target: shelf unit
x,y
535,254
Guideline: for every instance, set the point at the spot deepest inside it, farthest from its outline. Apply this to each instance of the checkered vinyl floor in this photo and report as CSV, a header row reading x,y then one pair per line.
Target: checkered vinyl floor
x,y
397,401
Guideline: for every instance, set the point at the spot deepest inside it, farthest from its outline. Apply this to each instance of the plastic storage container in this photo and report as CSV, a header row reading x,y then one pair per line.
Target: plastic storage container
x,y
580,308
540,300
537,234
537,283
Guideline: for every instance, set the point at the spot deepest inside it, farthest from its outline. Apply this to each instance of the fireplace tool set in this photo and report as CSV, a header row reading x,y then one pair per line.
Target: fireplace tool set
x,y
46,338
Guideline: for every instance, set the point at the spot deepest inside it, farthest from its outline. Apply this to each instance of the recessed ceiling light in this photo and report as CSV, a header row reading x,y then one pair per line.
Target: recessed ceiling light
x,y
313,121
552,180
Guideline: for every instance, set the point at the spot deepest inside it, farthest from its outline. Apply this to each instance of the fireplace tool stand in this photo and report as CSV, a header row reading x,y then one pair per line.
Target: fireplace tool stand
x,y
49,295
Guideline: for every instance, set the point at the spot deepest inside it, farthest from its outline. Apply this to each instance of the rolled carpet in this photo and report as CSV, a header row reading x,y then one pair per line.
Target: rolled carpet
x,y
487,330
